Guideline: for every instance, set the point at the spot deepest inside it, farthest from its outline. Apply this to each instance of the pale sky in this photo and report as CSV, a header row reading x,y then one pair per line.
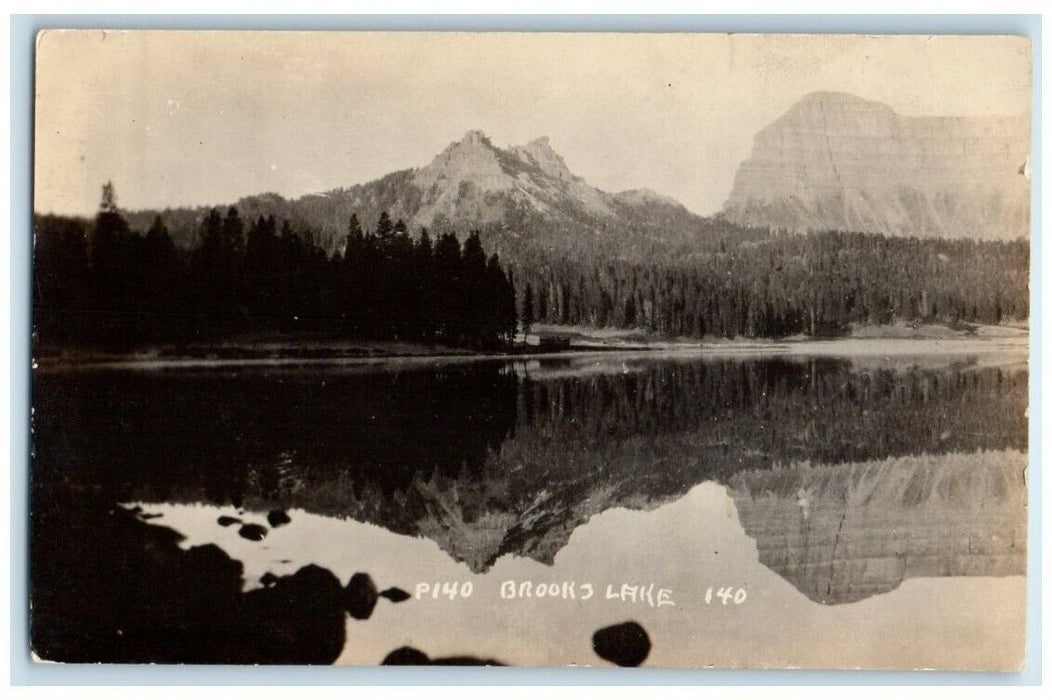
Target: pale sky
x,y
192,118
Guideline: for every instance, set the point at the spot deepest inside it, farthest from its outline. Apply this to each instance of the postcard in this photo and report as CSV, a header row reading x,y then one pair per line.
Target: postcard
x,y
660,350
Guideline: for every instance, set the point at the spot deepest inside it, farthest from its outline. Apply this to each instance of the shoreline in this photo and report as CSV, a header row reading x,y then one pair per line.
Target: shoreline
x,y
248,355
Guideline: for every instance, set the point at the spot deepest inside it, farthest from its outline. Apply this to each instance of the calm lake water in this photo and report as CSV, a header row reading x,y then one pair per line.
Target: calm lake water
x,y
753,510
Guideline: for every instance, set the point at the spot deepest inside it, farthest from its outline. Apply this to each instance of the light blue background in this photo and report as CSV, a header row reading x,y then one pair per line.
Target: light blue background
x,y
23,30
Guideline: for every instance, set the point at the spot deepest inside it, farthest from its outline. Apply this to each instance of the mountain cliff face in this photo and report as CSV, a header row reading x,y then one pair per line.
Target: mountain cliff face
x,y
835,161
471,184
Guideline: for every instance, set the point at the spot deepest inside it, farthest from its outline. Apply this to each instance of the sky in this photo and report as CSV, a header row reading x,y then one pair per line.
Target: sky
x,y
202,118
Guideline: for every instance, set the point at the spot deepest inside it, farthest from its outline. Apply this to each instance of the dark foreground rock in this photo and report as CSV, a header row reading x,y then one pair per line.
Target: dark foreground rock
x,y
360,596
109,588
277,518
626,644
253,532
408,656
395,594
303,609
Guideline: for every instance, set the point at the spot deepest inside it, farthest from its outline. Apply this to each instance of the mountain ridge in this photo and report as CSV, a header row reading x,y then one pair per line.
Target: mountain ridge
x,y
470,184
832,161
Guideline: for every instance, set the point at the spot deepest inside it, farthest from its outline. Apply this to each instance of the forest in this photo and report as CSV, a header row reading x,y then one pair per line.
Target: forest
x,y
102,283
780,285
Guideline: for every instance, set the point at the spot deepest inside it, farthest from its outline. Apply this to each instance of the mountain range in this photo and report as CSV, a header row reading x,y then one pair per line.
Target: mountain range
x,y
831,162
473,184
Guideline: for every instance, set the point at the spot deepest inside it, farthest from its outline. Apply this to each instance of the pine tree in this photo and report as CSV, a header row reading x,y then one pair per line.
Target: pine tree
x,y
527,309
354,227
233,235
449,295
384,228
110,228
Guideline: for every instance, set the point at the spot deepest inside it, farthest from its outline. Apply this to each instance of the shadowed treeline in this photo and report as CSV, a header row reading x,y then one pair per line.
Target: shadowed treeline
x,y
665,270
102,284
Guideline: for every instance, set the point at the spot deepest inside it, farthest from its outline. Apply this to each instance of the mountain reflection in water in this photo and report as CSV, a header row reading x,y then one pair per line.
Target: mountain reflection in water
x,y
692,546
491,459
843,533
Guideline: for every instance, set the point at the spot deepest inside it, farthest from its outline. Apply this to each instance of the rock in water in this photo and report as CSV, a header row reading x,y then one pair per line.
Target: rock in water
x,y
360,596
256,533
298,620
277,518
406,656
227,521
138,597
395,594
626,644
465,661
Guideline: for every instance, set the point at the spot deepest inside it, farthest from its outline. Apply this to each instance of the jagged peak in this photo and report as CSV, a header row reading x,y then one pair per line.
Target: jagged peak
x,y
473,159
539,152
472,137
474,146
540,142
539,147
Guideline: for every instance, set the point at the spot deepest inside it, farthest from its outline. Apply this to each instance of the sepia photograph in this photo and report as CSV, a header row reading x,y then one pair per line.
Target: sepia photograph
x,y
667,350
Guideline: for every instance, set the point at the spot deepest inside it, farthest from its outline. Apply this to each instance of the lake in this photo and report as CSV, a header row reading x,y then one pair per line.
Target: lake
x,y
745,509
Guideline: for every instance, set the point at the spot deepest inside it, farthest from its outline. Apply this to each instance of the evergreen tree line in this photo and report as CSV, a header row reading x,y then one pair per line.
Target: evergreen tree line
x,y
816,284
102,283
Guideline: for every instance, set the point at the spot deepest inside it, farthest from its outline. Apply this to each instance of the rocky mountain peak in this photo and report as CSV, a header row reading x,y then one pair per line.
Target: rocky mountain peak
x,y
540,143
539,153
473,158
473,145
473,137
473,183
476,181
